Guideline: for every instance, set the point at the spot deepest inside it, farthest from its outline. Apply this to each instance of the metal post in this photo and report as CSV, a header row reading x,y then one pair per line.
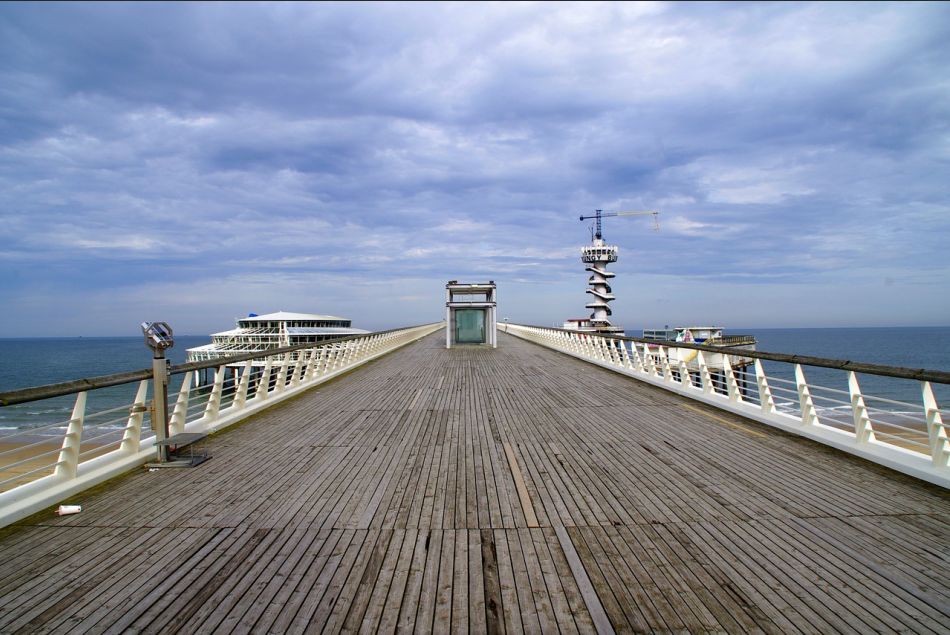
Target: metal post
x,y
158,337
160,402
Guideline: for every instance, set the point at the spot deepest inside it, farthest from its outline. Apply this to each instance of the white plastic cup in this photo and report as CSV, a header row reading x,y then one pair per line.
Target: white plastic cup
x,y
65,510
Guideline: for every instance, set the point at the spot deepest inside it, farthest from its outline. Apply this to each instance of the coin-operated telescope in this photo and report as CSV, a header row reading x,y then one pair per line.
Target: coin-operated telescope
x,y
159,337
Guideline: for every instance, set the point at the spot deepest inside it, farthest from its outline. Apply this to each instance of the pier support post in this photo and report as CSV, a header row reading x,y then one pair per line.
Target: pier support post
x,y
133,427
936,433
180,414
68,462
809,414
863,432
160,402
766,401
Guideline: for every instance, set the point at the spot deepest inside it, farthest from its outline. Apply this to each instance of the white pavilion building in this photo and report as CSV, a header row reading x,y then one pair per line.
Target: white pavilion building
x,y
274,330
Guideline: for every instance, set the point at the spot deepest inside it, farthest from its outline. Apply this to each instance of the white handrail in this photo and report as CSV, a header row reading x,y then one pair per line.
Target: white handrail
x,y
894,446
222,407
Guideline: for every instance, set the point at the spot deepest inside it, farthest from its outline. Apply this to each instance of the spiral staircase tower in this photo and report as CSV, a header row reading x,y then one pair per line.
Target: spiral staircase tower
x,y
597,256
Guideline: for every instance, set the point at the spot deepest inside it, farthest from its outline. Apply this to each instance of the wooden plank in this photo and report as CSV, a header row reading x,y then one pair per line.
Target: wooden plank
x,y
363,611
594,607
328,546
460,583
678,521
511,610
572,595
521,582
283,581
539,587
391,602
526,507
443,602
336,601
429,585
476,583
494,622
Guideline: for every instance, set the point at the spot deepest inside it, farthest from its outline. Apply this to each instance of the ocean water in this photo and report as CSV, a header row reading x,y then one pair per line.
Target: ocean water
x,y
37,361
909,347
26,362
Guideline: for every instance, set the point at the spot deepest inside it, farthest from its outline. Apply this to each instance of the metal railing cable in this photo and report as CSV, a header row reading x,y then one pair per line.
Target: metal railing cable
x,y
51,460
920,374
910,437
37,393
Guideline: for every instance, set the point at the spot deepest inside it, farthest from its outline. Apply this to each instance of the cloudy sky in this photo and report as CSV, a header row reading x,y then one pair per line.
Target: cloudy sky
x,y
194,162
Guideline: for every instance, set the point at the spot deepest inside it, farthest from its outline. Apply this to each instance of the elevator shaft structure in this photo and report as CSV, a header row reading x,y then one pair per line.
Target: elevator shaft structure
x,y
596,256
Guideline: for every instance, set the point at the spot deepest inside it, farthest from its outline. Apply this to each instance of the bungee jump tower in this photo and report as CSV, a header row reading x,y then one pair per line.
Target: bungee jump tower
x,y
597,255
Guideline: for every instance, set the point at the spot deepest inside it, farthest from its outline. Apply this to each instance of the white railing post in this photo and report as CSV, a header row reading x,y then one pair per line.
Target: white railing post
x,y
68,462
316,360
589,347
648,362
665,364
176,423
133,428
299,368
311,370
766,402
863,432
637,361
732,386
263,384
705,378
809,414
213,406
735,395
936,433
625,356
240,395
282,373
349,350
685,378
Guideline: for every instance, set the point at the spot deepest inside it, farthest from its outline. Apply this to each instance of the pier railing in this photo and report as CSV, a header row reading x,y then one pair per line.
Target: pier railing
x,y
908,437
43,465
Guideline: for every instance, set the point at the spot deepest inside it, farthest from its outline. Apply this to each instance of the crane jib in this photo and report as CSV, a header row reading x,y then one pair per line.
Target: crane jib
x,y
600,214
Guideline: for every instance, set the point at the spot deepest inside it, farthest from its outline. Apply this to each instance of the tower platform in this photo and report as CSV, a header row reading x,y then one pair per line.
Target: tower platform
x,y
485,490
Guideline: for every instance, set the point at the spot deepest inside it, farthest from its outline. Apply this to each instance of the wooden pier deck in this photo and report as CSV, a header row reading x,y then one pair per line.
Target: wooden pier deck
x,y
479,490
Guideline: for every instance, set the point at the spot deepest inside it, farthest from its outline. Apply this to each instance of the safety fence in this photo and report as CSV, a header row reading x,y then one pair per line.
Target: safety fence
x,y
906,436
42,465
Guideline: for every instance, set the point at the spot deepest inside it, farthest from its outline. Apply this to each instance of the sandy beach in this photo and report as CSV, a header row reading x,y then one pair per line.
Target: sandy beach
x,y
34,457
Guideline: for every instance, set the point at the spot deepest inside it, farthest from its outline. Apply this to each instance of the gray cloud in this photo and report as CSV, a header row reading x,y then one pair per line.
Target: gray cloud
x,y
194,145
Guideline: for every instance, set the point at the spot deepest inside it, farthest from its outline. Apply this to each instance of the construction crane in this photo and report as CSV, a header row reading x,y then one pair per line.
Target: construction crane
x,y
599,214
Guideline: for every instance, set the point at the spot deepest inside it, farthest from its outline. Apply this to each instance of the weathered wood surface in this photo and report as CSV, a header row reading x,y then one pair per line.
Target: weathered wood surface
x,y
479,490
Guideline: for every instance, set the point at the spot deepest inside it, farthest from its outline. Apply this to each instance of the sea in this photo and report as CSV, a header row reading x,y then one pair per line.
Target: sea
x,y
26,362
